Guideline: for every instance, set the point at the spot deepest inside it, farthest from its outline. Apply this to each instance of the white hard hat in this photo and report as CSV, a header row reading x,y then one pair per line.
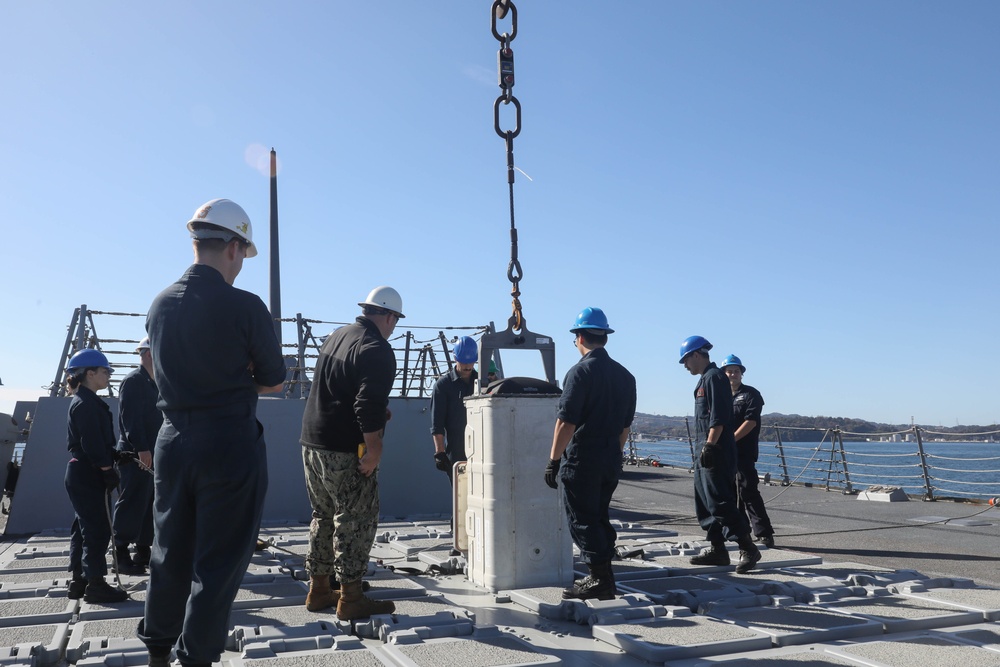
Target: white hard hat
x,y
143,344
227,215
385,297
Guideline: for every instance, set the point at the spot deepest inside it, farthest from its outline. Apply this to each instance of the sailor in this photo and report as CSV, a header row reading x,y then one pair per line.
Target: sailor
x,y
747,405
214,351
715,461
592,425
90,477
139,421
342,429
448,408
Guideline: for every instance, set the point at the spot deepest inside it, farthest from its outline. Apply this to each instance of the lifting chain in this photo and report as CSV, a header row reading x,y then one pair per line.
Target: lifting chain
x,y
505,78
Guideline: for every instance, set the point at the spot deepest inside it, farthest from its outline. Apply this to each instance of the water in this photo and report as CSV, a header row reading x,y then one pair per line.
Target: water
x,y
955,469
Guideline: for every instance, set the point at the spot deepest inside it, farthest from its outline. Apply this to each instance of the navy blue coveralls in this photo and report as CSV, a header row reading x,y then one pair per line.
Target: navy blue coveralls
x,y
714,491
212,344
448,415
599,398
91,441
139,421
747,405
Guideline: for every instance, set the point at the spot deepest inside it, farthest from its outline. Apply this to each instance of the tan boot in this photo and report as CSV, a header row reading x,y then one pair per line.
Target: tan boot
x,y
320,594
354,604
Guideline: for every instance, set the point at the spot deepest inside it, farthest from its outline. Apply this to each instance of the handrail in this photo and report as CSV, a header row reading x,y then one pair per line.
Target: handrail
x,y
417,364
836,467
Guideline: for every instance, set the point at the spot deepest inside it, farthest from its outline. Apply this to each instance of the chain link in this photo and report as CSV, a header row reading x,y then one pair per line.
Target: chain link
x,y
505,79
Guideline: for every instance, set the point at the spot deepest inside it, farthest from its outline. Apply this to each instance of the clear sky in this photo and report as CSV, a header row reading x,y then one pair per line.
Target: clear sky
x,y
814,186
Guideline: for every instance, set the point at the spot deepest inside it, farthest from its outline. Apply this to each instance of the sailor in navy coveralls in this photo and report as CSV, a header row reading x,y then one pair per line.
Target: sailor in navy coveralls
x,y
448,416
214,350
747,406
139,422
592,425
715,461
90,477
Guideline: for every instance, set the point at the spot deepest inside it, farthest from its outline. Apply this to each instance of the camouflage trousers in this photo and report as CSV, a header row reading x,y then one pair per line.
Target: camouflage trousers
x,y
344,517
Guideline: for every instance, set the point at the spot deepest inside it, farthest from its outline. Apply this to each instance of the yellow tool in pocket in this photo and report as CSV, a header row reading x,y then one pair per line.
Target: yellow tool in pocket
x,y
361,450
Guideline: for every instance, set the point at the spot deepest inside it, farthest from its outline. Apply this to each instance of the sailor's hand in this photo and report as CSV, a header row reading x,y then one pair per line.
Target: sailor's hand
x,y
442,462
369,462
709,455
552,473
146,459
123,456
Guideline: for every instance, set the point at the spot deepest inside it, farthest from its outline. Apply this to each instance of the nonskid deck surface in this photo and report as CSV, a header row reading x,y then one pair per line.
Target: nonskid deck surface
x,y
799,608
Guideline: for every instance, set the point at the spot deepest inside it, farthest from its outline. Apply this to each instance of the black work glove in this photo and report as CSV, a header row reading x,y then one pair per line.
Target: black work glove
x,y
551,473
709,455
124,456
442,462
110,478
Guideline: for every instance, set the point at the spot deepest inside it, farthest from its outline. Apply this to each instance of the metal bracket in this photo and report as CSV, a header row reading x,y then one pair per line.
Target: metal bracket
x,y
520,339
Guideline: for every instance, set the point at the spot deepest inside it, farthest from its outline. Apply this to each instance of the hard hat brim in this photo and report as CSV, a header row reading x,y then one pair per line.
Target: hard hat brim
x,y
378,305
597,330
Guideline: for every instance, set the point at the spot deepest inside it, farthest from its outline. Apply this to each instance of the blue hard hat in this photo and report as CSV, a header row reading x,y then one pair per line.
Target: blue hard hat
x,y
594,319
465,350
733,360
691,344
88,359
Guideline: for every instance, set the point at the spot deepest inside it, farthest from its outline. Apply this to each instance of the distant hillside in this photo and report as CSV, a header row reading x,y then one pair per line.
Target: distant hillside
x,y
673,427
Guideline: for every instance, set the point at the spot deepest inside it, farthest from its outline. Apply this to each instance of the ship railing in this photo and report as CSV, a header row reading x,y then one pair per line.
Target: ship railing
x,y
423,353
831,465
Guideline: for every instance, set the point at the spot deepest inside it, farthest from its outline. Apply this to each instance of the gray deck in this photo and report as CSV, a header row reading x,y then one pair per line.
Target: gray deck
x,y
850,582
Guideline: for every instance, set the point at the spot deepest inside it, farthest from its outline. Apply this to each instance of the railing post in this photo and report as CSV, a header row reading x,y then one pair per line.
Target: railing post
x,y
633,453
690,442
929,495
843,458
829,467
81,330
435,366
444,349
57,383
300,356
406,364
423,368
785,481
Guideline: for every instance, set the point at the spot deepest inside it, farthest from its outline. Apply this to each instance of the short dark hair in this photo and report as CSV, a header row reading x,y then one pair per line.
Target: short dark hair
x,y
593,339
216,246
376,310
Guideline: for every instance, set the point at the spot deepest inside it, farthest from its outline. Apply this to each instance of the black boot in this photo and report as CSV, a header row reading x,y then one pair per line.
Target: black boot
x,y
77,586
159,658
749,555
716,555
125,564
598,585
99,591
142,555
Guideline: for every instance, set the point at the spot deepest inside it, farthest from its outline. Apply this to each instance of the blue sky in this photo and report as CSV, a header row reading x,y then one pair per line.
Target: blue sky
x,y
812,186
